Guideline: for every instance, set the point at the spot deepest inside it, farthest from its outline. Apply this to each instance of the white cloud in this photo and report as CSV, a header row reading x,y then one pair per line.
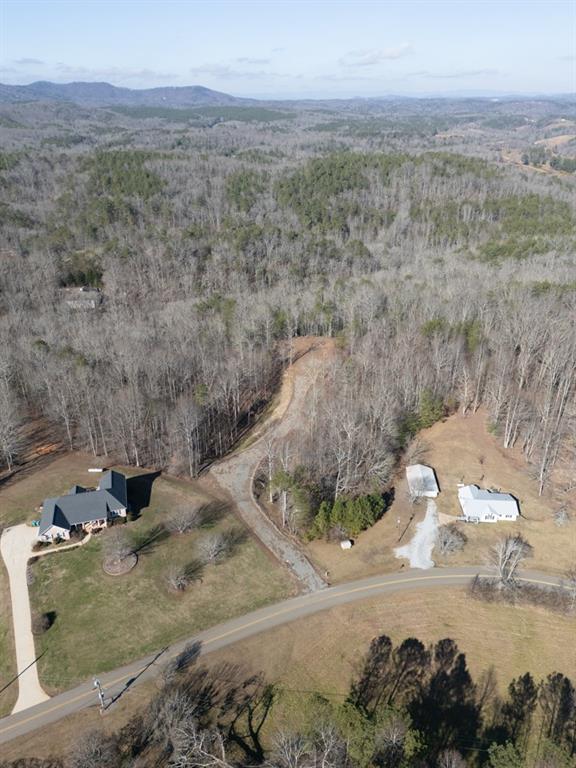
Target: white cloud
x,y
370,57
27,62
111,73
247,60
462,73
226,72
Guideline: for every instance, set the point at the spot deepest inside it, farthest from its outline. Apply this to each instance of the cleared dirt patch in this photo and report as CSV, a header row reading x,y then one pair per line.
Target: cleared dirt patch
x,y
556,141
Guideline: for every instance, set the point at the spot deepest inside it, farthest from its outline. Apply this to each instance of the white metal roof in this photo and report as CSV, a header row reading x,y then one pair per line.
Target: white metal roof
x,y
421,479
478,502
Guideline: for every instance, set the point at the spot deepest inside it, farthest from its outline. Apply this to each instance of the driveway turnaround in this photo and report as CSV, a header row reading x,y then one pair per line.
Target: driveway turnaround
x,y
121,680
16,547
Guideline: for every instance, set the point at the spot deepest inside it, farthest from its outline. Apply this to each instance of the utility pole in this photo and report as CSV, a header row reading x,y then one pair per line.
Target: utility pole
x,y
98,685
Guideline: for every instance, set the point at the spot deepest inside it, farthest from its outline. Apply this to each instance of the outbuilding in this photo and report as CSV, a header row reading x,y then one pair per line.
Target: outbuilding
x,y
422,481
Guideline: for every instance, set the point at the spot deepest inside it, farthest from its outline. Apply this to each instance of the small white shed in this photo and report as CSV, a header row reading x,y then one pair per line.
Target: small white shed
x,y
346,544
422,481
481,506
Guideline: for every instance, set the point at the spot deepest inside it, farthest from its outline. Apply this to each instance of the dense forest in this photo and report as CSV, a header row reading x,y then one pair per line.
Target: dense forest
x,y
408,706
157,262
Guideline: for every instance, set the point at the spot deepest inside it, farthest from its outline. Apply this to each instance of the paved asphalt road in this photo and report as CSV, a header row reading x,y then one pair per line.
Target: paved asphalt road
x,y
121,680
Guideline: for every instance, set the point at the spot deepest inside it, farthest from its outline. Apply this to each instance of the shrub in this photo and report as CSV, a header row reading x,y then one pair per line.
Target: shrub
x,y
41,622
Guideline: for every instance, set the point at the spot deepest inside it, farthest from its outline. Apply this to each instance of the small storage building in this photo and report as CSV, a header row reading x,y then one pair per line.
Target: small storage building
x,y
422,481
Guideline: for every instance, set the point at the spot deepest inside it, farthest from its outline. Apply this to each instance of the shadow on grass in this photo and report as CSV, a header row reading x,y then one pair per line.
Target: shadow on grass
x,y
212,513
182,662
234,539
193,570
146,542
139,490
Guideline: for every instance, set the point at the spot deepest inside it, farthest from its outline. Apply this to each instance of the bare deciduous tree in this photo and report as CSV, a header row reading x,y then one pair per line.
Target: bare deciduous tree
x,y
184,519
451,539
561,517
10,420
195,747
213,547
94,750
507,555
179,577
117,545
289,751
450,758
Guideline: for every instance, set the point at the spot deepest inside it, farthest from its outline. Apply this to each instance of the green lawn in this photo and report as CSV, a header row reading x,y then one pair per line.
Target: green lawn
x,y
103,622
7,657
20,496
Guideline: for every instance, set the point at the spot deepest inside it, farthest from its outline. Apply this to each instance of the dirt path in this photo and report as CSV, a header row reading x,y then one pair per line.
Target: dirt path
x,y
16,547
235,473
514,157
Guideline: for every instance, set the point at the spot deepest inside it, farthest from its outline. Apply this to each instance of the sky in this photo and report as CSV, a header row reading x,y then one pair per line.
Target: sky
x,y
296,48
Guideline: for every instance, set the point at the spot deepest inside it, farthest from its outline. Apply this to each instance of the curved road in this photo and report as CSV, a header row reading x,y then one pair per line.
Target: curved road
x,y
120,680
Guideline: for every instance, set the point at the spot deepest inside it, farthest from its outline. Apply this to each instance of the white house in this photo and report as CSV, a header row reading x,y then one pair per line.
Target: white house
x,y
422,481
481,506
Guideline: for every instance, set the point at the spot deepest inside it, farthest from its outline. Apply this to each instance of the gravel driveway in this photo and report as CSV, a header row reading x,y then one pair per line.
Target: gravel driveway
x,y
235,474
16,548
419,549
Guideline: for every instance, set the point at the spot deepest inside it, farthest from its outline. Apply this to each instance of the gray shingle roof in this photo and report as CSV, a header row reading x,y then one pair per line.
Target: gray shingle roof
x,y
82,506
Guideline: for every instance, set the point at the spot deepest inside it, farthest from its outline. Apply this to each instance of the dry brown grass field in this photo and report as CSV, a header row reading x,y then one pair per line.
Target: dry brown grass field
x,y
323,652
461,449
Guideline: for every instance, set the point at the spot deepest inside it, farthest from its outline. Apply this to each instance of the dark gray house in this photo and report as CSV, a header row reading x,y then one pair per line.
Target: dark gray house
x,y
85,510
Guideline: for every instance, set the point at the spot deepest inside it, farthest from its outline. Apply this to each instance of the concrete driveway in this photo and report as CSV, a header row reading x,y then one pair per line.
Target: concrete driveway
x,y
16,548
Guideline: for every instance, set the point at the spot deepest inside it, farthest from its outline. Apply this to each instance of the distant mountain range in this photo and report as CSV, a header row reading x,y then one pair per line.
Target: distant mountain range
x,y
106,95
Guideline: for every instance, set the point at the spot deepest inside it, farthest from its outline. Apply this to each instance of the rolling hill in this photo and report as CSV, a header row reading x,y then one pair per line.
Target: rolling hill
x,y
104,95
